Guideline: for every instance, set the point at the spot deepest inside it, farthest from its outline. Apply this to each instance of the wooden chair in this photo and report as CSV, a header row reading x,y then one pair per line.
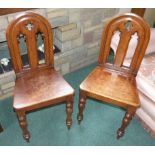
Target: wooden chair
x,y
37,85
114,82
1,128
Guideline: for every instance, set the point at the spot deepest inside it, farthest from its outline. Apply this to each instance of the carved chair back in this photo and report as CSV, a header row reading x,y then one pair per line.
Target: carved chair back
x,y
29,25
127,25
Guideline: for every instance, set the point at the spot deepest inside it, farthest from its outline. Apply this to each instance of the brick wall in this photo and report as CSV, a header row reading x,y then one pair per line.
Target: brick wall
x,y
77,33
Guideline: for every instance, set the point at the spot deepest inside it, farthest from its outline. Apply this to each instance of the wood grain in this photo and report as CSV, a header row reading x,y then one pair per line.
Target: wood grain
x,y
138,11
37,85
5,11
115,83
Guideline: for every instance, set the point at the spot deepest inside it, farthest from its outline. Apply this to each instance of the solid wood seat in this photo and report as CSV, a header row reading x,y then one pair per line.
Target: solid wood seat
x,y
112,82
42,86
37,84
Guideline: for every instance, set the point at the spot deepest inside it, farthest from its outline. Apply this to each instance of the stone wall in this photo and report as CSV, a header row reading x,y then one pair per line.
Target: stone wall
x,y
77,32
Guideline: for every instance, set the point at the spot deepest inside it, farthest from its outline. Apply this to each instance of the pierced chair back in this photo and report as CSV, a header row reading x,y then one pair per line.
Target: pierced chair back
x,y
127,25
29,25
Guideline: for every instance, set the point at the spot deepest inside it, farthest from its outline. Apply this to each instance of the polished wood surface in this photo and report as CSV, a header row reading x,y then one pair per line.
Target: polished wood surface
x,y
28,25
5,11
45,85
111,87
1,128
114,82
37,85
128,25
138,11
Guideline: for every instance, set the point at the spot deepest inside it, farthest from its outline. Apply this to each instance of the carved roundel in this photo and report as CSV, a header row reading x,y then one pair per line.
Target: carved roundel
x,y
128,25
29,26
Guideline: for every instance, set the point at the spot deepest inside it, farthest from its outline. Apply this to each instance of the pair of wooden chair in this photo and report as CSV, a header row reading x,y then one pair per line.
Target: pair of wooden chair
x,y
40,85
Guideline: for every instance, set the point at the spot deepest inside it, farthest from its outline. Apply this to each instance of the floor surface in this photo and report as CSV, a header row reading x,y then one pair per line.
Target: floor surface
x,y
47,126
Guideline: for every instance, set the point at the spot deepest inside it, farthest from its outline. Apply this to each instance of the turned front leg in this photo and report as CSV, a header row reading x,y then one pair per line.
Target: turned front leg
x,y
126,120
69,111
82,102
23,124
1,129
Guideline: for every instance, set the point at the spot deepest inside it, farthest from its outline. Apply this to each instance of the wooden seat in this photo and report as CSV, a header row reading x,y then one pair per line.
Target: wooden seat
x,y
45,86
113,82
37,84
107,90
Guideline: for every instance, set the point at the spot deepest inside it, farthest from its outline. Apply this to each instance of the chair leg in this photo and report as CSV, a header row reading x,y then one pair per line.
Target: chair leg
x,y
69,111
23,124
1,129
125,122
82,102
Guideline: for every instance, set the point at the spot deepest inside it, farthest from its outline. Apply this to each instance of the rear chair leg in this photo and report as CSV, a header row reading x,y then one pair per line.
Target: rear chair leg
x,y
69,111
23,124
82,102
125,122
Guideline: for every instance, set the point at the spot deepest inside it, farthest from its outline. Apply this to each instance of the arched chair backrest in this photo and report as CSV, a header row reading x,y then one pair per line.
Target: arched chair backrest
x,y
127,24
28,25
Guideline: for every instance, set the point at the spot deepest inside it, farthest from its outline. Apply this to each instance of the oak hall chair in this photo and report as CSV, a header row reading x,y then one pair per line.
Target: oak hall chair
x,y
1,128
114,82
37,85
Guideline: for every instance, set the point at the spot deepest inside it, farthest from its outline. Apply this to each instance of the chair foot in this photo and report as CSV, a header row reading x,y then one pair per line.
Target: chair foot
x,y
1,129
120,133
68,126
69,111
79,118
27,137
23,125
126,120
82,102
